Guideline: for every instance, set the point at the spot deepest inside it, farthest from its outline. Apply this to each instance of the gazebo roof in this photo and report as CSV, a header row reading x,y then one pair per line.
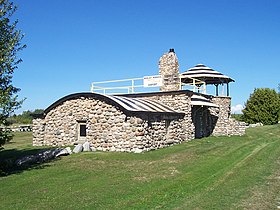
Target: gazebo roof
x,y
205,74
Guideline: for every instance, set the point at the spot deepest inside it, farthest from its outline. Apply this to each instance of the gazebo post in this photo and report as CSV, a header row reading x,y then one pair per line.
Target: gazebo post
x,y
227,89
217,89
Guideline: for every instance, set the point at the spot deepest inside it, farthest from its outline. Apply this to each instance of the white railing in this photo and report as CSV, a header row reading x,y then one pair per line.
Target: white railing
x,y
137,85
196,85
121,86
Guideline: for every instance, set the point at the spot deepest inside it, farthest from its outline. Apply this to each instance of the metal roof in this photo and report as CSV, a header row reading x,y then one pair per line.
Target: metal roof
x,y
126,104
206,74
141,105
198,100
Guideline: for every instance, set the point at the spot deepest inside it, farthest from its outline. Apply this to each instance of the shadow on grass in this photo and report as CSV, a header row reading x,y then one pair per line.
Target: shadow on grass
x,y
9,157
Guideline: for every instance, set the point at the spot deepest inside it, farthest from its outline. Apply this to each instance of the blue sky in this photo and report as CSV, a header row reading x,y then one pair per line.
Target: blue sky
x,y
73,43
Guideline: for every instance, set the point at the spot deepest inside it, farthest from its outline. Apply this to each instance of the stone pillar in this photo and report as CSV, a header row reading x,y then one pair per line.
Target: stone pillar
x,y
169,70
222,123
224,103
226,125
38,129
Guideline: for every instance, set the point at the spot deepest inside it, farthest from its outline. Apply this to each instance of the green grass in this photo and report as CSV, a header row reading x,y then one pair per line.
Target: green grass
x,y
210,173
20,145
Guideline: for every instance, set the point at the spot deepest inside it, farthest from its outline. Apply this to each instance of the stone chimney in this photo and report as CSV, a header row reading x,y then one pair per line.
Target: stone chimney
x,y
169,70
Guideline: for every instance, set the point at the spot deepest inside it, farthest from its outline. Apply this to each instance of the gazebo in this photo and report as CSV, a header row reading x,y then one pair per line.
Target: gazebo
x,y
202,75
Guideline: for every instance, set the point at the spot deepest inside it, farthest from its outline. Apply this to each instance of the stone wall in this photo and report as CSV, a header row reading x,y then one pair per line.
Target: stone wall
x,y
200,121
225,125
179,101
169,70
38,132
108,128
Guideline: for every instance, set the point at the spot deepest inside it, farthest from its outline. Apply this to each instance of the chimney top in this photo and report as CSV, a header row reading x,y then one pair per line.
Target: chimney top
x,y
171,50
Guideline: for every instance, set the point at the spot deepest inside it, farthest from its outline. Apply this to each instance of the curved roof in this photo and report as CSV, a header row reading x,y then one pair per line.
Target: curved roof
x,y
126,104
142,105
206,74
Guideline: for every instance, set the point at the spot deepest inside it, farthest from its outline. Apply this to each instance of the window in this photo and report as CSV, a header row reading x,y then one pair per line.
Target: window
x,y
83,130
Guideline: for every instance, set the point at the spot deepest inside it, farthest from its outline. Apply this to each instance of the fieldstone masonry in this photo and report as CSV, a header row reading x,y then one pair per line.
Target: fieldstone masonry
x,y
169,70
177,100
210,120
225,124
109,127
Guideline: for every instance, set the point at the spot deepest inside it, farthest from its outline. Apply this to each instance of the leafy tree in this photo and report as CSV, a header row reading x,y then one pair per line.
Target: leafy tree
x,y
262,106
10,45
238,117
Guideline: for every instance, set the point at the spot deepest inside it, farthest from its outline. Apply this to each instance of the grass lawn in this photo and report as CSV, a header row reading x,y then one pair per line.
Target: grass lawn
x,y
210,173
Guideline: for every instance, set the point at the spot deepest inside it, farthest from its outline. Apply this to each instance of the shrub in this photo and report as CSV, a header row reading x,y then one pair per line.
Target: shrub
x,y
262,106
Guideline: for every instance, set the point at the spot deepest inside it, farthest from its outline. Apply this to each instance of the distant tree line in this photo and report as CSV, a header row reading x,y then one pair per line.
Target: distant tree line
x,y
25,118
238,117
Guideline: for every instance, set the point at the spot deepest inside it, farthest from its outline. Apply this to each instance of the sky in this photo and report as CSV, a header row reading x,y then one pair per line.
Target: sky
x,y
73,43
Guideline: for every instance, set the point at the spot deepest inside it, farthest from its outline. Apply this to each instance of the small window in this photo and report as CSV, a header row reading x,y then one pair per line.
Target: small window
x,y
83,130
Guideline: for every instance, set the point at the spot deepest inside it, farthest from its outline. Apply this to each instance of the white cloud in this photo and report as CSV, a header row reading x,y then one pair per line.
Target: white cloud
x,y
237,109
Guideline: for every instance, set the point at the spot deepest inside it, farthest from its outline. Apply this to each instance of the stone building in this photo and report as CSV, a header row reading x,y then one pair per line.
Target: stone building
x,y
140,122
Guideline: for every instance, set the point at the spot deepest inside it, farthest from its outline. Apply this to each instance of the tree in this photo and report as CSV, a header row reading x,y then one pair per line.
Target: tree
x,y
26,117
10,45
262,106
